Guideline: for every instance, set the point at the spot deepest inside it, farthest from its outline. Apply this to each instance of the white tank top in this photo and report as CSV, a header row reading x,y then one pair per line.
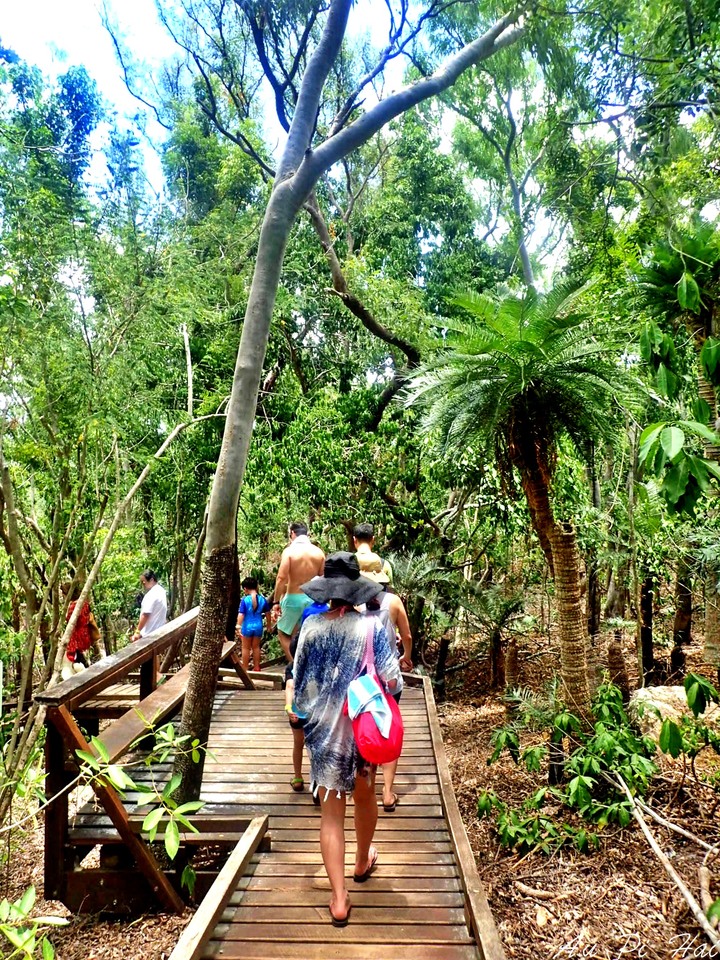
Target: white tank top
x,y
383,614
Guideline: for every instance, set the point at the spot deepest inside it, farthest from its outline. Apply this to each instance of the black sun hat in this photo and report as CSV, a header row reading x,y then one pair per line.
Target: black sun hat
x,y
341,581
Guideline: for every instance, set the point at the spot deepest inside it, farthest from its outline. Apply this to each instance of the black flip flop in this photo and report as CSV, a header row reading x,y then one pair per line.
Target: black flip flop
x,y
340,923
362,877
390,807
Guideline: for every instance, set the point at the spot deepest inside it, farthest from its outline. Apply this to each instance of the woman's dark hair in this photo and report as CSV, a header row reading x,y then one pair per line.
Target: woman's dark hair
x,y
149,575
249,583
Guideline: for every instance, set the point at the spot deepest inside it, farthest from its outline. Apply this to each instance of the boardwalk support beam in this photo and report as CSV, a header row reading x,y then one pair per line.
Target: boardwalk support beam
x,y
65,724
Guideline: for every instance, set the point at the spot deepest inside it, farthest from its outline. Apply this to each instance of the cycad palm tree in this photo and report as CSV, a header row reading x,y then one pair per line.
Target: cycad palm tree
x,y
522,373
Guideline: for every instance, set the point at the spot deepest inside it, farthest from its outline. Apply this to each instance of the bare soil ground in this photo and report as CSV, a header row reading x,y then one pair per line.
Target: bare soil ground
x,y
616,903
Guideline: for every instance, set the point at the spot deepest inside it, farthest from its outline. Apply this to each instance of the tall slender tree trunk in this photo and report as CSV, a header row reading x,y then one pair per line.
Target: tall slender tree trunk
x,y
711,651
647,656
593,601
571,619
497,660
440,675
218,569
682,622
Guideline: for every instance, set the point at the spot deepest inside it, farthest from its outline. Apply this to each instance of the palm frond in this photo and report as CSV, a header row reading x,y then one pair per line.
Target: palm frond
x,y
534,367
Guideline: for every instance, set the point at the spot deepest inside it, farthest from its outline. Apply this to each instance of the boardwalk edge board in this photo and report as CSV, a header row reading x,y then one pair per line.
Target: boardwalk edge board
x,y
199,930
480,918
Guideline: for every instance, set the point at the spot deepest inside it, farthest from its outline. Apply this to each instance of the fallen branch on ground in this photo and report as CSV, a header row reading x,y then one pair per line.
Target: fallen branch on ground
x,y
676,828
695,907
540,894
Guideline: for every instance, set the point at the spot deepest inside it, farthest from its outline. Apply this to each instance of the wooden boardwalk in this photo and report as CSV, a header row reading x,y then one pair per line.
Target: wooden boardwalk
x,y
416,903
270,899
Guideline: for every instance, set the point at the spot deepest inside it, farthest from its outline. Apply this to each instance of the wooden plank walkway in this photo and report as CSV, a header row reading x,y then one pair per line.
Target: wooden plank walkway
x,y
414,906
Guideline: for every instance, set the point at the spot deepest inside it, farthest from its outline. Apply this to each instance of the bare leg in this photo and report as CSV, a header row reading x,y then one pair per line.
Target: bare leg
x,y
332,845
298,744
285,639
256,653
366,814
388,773
246,645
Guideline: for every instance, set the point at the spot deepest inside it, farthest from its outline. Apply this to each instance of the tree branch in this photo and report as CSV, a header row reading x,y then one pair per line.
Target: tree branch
x,y
303,122
500,35
353,303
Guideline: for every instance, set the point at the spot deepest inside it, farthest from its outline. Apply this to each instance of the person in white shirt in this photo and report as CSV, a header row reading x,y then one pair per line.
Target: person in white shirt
x,y
153,610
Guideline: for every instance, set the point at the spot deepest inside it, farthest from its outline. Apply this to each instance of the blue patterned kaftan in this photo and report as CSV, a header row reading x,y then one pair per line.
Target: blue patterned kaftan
x,y
329,655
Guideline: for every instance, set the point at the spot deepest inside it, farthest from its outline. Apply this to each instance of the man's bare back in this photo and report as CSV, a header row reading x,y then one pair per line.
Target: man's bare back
x,y
300,562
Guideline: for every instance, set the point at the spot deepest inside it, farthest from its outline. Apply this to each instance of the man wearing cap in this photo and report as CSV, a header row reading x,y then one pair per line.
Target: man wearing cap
x,y
300,561
330,652
364,540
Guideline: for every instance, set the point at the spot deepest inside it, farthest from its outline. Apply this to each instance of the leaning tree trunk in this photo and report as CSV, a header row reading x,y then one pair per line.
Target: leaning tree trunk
x,y
299,170
559,541
535,489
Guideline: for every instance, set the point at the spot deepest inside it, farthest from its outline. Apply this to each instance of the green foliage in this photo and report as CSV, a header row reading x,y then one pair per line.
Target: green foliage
x,y
713,911
25,934
686,476
27,782
710,361
689,736
522,373
167,813
657,349
683,270
700,692
611,748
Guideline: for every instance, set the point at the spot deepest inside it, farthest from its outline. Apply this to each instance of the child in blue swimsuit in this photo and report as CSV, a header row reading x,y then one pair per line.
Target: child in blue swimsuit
x,y
250,623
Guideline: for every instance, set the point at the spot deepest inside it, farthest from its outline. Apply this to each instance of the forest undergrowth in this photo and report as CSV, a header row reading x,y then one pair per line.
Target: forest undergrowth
x,y
614,901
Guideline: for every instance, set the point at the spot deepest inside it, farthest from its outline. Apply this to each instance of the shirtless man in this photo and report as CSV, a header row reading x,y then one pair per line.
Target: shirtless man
x,y
300,562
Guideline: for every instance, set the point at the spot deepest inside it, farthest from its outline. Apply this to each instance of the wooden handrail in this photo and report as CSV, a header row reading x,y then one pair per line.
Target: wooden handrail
x,y
83,686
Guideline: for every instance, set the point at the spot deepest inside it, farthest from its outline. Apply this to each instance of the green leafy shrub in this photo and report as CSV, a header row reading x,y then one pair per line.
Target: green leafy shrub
x,y
611,747
688,736
167,813
24,933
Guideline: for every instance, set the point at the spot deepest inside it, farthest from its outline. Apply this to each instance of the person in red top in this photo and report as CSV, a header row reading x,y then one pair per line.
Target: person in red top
x,y
80,640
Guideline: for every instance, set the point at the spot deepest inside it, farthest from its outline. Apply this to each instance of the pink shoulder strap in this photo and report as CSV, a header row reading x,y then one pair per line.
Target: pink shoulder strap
x,y
368,660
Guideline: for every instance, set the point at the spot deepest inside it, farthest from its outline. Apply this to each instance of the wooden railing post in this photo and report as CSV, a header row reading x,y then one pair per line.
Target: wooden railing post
x,y
56,815
114,808
148,676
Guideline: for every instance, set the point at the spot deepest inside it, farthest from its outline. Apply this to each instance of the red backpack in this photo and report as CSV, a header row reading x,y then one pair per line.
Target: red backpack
x,y
372,745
